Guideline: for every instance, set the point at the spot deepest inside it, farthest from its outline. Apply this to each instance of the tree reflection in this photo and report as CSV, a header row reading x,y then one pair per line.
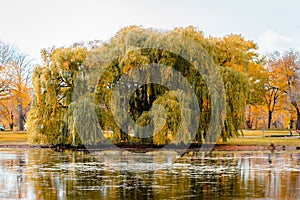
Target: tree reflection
x,y
47,174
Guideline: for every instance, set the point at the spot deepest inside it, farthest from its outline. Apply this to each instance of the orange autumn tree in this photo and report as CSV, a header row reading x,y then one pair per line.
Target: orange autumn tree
x,y
15,86
234,52
285,69
275,96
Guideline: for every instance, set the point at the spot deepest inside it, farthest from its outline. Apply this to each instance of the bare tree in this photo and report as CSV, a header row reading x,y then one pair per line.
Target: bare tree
x,y
6,55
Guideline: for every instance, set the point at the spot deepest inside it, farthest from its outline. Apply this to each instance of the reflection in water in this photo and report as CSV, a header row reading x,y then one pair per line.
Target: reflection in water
x,y
47,174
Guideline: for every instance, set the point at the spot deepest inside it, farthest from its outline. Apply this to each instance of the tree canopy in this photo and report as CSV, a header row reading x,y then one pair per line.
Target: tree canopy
x,y
76,88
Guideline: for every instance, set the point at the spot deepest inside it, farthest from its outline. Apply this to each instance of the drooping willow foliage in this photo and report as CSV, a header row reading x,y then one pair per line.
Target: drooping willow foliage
x,y
53,84
80,90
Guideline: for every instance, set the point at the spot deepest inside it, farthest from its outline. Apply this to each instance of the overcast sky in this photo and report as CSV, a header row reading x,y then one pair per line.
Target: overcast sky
x,y
35,24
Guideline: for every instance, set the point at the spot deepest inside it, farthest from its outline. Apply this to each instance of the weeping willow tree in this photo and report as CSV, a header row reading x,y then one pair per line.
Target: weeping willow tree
x,y
83,92
128,57
235,78
53,84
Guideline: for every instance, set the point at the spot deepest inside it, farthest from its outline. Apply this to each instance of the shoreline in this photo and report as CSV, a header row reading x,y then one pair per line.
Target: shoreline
x,y
147,148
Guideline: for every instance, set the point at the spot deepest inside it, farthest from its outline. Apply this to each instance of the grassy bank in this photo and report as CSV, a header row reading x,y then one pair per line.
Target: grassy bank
x,y
255,137
251,137
13,137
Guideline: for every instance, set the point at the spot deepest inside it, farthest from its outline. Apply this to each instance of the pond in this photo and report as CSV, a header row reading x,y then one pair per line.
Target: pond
x,y
48,174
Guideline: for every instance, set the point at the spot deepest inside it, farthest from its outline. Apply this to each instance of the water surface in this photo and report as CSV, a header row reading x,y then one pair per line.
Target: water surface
x,y
48,174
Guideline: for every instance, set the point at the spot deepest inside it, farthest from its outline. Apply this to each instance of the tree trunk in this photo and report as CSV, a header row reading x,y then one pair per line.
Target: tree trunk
x,y
11,124
298,119
270,119
21,127
298,114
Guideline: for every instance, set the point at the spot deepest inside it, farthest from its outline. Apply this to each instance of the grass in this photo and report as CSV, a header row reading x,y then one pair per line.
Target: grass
x,y
13,137
251,137
255,137
266,132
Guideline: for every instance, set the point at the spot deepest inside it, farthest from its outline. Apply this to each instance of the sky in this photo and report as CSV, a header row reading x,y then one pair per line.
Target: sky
x,y
31,25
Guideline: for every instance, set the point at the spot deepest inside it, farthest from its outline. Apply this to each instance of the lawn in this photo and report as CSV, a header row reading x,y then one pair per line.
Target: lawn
x,y
255,137
13,137
251,137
